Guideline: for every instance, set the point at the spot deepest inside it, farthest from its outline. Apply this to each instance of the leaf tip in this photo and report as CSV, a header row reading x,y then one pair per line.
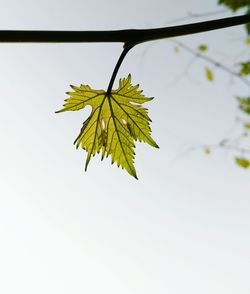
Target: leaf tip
x,y
59,111
133,173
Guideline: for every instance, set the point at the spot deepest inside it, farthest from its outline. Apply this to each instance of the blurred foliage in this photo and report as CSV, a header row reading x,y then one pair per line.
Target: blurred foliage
x,y
176,50
239,145
235,4
247,126
207,151
242,162
202,48
209,74
244,102
245,68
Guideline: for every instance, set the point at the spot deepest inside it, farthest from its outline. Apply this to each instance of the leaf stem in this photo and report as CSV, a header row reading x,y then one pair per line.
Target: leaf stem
x,y
126,49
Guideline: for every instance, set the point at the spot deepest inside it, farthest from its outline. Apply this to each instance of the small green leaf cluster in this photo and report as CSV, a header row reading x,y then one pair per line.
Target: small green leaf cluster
x,y
235,4
242,162
202,48
245,68
244,104
244,71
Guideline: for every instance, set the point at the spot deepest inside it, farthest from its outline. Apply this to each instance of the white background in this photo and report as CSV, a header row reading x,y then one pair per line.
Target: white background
x,y
184,226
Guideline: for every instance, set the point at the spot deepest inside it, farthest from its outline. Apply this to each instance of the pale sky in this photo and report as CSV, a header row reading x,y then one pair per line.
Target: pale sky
x,y
184,226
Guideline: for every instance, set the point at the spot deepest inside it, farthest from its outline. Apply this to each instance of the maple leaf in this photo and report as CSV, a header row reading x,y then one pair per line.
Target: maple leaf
x,y
116,121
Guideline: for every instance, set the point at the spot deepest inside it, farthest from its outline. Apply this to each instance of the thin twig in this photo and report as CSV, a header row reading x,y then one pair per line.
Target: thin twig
x,y
224,146
192,15
212,61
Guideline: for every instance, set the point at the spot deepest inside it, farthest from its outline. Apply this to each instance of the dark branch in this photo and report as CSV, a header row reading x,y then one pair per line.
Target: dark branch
x,y
123,36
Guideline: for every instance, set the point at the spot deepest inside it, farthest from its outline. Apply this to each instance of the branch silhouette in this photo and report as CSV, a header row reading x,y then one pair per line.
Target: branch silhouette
x,y
131,36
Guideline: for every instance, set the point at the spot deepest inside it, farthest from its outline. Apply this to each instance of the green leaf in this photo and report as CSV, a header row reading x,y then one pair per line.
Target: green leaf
x,y
207,151
209,74
202,48
116,121
247,126
247,41
242,162
235,4
248,24
244,104
176,50
248,27
245,68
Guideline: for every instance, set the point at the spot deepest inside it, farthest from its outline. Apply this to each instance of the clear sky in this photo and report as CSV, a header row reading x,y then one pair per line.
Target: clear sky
x,y
184,227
